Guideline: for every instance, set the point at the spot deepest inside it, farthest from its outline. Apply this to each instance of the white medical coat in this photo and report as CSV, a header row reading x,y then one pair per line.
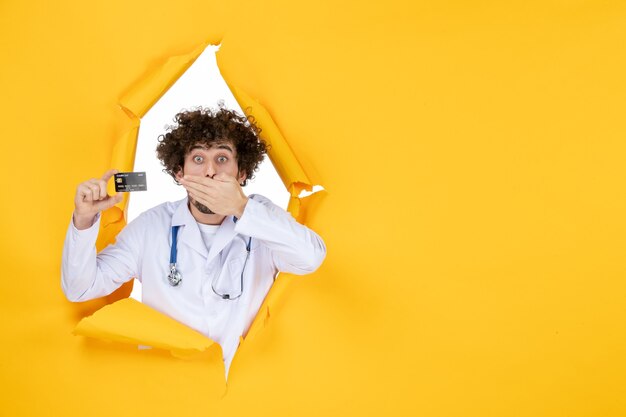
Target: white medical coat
x,y
142,251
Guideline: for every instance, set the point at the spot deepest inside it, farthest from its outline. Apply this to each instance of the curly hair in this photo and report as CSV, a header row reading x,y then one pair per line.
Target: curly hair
x,y
206,126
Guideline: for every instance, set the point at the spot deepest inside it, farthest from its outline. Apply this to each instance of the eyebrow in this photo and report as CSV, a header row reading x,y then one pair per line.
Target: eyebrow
x,y
218,146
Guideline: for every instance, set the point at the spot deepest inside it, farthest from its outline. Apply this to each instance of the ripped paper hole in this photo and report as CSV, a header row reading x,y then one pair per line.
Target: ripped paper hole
x,y
129,321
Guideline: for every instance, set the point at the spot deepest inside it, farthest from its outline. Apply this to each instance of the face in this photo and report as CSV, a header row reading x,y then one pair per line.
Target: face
x,y
201,160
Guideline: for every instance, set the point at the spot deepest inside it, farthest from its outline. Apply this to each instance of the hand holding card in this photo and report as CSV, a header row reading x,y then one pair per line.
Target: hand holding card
x,y
91,198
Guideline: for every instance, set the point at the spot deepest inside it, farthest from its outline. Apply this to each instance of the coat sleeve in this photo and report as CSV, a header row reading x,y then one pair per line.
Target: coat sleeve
x,y
295,248
86,275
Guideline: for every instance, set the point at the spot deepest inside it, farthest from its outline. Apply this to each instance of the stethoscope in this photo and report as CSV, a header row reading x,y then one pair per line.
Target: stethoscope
x,y
175,277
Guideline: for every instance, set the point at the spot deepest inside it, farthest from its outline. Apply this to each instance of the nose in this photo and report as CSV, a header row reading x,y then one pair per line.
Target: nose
x,y
210,170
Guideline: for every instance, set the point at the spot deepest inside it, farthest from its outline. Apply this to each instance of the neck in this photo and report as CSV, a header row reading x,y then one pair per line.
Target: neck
x,y
212,219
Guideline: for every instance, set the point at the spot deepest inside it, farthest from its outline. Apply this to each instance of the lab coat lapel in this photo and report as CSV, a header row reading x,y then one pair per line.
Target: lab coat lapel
x,y
224,236
189,234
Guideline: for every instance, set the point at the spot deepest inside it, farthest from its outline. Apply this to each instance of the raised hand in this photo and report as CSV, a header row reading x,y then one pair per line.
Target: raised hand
x,y
91,198
222,193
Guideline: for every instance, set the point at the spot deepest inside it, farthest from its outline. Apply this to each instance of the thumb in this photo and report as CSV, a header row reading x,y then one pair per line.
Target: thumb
x,y
117,198
110,202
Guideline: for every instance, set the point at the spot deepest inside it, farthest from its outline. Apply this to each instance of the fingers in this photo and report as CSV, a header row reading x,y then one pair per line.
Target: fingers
x,y
193,179
99,188
199,198
108,202
107,175
208,181
202,199
95,190
84,192
198,188
203,187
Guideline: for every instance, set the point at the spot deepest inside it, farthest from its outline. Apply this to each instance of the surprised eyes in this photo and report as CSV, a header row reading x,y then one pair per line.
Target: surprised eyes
x,y
198,159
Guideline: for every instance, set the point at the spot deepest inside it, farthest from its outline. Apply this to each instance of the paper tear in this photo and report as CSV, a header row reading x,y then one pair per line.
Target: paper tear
x,y
149,89
131,322
289,169
307,193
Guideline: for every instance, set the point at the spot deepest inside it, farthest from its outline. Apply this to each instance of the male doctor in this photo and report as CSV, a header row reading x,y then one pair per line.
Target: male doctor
x,y
226,248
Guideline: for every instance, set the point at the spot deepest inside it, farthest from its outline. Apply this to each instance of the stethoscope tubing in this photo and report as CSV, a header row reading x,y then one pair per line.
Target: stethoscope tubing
x,y
175,278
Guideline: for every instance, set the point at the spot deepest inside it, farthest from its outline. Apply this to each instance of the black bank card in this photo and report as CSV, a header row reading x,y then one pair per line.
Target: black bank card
x,y
130,181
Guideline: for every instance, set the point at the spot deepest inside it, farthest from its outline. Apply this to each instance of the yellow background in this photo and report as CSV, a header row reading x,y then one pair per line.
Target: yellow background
x,y
473,156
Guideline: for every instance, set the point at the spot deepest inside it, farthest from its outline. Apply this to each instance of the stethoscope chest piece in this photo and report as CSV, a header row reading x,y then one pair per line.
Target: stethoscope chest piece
x,y
174,277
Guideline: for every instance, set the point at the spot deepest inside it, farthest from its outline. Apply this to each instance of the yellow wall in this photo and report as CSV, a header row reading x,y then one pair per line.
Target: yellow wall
x,y
473,157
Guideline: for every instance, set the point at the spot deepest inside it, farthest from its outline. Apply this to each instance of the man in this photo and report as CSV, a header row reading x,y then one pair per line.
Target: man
x,y
227,247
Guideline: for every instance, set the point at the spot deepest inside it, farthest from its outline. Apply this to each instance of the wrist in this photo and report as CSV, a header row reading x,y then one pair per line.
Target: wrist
x,y
241,208
82,221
